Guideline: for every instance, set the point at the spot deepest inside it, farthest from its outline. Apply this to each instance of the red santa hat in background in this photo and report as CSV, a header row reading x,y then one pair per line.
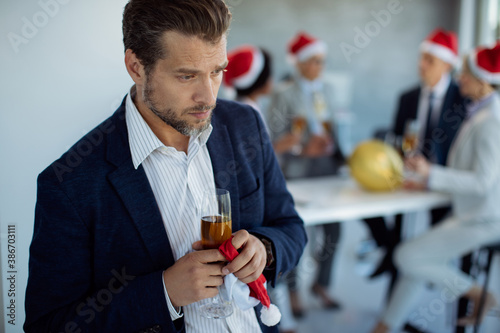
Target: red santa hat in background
x,y
484,63
442,44
245,65
303,46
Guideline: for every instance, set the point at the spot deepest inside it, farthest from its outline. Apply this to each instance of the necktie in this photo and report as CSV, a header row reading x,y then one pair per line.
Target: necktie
x,y
428,146
319,104
319,107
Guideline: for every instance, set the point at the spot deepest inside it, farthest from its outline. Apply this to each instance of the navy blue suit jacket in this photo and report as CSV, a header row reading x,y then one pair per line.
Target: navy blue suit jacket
x,y
99,245
451,117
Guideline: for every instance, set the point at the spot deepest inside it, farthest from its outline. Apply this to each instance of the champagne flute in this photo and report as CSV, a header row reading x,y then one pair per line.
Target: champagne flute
x,y
410,145
216,228
410,139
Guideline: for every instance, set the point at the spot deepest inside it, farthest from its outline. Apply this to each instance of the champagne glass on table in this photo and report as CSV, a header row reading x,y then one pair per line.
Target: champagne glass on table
x,y
216,228
410,138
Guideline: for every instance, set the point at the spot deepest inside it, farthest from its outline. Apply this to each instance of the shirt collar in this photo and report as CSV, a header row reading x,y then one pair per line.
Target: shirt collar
x,y
475,106
439,90
310,86
142,140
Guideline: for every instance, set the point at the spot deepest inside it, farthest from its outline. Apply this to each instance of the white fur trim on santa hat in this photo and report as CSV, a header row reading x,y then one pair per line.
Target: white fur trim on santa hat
x,y
248,79
270,316
480,73
239,292
318,47
440,51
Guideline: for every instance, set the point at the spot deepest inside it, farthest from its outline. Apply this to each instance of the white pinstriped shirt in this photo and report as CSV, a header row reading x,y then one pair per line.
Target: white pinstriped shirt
x,y
177,181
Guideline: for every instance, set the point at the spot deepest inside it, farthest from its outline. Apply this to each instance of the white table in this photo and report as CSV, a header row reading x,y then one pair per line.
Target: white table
x,y
328,199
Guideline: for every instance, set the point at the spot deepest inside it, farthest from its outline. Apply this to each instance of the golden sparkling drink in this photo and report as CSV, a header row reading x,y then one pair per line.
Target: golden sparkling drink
x,y
215,230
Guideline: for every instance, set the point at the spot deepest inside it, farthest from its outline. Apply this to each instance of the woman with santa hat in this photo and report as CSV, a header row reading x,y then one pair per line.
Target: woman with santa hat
x,y
472,177
249,73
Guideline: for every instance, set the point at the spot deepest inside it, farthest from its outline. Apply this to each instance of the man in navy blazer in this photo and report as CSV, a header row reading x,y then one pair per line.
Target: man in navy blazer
x,y
101,259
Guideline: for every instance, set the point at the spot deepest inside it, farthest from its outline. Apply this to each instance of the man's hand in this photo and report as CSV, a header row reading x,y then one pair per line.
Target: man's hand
x,y
419,165
286,143
413,185
251,261
194,277
318,146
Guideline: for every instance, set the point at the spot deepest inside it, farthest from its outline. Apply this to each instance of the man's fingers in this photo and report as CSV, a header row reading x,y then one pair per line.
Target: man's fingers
x,y
240,238
211,292
208,256
251,271
250,263
214,281
411,185
197,246
240,261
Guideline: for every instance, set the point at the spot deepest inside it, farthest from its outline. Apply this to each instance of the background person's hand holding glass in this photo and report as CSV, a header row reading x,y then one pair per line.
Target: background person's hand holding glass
x,y
411,137
216,228
409,147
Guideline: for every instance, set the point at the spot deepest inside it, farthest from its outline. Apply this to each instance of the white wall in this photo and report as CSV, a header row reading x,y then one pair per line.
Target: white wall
x,y
68,75
60,84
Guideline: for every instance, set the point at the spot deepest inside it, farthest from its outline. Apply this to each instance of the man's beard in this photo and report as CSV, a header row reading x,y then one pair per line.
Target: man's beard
x,y
169,117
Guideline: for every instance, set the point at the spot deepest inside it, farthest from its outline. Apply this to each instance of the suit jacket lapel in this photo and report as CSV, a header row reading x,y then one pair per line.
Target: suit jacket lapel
x,y
224,165
414,103
443,145
135,192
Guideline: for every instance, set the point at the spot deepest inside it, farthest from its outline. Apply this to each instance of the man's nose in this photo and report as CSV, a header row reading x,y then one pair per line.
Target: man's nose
x,y
205,93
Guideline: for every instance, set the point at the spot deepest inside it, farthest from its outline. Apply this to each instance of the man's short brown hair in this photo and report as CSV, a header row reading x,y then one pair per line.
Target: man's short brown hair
x,y
145,22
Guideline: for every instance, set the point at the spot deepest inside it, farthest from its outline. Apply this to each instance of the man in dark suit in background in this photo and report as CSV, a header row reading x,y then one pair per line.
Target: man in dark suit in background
x,y
436,103
116,240
437,106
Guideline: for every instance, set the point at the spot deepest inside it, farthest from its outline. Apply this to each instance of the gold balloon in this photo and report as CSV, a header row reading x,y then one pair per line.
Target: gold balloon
x,y
376,166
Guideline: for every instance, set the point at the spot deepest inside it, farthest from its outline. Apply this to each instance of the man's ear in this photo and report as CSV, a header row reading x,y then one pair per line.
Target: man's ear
x,y
134,67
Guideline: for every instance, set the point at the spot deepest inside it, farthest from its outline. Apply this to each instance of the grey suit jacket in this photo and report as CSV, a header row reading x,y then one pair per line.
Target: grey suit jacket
x,y
287,103
473,172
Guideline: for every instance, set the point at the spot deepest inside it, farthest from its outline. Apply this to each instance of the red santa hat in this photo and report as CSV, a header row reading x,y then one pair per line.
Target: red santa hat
x,y
303,46
484,63
442,44
244,67
270,314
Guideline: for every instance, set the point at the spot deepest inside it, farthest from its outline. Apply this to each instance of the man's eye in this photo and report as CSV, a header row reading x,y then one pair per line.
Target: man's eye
x,y
218,71
186,77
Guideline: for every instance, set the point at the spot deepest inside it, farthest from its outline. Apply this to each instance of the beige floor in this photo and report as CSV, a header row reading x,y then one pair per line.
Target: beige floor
x,y
363,299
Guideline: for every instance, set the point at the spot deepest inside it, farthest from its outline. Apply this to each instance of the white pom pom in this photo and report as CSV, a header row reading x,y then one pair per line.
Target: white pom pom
x,y
270,316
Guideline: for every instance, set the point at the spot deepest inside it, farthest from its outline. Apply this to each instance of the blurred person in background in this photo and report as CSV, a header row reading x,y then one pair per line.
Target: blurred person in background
x,y
472,177
249,73
302,128
434,110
